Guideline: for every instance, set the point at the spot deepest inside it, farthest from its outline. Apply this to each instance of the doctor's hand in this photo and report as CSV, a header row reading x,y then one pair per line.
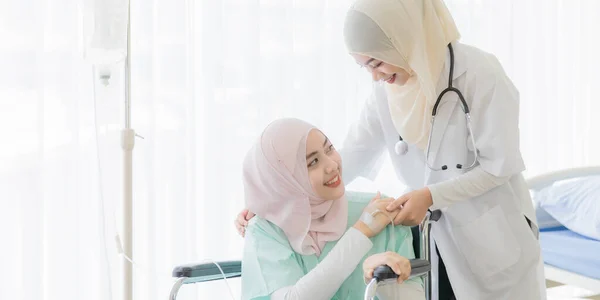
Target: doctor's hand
x,y
399,264
413,207
242,221
379,220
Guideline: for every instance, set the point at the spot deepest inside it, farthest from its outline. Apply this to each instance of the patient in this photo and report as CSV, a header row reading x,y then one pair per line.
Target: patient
x,y
306,241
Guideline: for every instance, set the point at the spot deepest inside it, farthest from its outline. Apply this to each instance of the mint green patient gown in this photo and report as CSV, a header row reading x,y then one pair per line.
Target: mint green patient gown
x,y
269,262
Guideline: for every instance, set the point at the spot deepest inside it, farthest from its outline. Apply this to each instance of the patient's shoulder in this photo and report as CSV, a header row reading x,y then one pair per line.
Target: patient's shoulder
x,y
260,225
267,241
261,229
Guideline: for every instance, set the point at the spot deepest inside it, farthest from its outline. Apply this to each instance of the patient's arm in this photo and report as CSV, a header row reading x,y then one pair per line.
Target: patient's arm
x,y
327,277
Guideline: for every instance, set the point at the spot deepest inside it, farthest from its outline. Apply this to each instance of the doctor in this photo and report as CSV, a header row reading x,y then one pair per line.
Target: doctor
x,y
467,162
449,117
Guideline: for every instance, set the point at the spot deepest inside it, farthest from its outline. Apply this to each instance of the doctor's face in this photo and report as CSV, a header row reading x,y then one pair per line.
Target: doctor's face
x,y
382,71
324,166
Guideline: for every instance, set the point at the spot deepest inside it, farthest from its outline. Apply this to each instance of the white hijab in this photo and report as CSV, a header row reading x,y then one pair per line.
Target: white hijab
x,y
413,35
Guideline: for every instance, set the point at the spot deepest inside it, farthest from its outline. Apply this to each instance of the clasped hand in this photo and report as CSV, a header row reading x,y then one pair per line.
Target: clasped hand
x,y
412,207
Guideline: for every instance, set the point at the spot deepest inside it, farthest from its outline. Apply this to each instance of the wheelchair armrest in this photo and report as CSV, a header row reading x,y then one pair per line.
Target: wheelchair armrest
x,y
208,271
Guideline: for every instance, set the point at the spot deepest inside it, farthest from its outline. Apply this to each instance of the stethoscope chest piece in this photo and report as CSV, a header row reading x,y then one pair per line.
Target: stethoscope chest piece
x,y
401,147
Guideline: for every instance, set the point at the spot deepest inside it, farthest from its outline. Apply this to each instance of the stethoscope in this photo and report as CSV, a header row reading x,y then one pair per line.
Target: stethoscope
x,y
401,146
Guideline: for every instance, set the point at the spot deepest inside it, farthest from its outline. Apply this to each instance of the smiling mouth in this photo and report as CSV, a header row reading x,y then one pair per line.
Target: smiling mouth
x,y
334,182
391,79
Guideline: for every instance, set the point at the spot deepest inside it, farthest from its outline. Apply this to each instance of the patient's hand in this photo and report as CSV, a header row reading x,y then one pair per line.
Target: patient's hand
x,y
399,264
380,220
242,221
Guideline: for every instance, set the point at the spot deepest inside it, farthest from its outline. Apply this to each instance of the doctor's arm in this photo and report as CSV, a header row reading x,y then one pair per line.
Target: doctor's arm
x,y
443,194
471,184
364,143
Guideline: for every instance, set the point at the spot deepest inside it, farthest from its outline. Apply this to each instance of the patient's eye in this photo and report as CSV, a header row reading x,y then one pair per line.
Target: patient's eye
x,y
313,162
330,148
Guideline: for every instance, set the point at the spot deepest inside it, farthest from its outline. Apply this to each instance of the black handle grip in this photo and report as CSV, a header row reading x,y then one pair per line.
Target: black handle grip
x,y
418,267
384,272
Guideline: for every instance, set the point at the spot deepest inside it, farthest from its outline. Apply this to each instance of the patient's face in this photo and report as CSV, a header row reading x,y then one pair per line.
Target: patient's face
x,y
324,166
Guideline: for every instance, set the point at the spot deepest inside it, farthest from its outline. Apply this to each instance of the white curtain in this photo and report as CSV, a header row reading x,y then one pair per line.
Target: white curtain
x,y
51,222
207,76
550,50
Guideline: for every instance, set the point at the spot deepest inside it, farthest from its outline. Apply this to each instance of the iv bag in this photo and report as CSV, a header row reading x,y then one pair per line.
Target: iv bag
x,y
105,30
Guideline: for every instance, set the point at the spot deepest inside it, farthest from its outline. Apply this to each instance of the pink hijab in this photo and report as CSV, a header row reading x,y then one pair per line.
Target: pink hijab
x,y
277,188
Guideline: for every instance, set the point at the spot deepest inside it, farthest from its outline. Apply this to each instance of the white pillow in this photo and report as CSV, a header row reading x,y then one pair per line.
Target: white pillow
x,y
575,204
544,219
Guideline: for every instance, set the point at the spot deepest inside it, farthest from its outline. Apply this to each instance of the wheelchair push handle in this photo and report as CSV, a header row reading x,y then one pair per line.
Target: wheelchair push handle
x,y
384,274
418,267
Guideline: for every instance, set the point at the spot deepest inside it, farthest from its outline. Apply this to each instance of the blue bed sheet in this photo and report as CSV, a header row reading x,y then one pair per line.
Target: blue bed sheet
x,y
570,251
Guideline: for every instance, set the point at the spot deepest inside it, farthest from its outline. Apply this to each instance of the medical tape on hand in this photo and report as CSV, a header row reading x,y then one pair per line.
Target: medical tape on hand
x,y
369,220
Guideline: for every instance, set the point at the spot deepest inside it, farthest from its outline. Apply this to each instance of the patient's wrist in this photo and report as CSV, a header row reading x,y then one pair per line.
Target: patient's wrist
x,y
362,227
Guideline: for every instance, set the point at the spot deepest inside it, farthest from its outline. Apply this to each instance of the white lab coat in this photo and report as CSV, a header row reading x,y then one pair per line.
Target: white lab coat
x,y
487,246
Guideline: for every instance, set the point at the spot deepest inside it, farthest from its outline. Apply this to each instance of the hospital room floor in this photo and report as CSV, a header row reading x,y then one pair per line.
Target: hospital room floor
x,y
557,291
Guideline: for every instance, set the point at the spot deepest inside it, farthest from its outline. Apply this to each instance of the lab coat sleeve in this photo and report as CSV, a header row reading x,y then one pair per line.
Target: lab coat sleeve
x,y
466,186
364,144
495,118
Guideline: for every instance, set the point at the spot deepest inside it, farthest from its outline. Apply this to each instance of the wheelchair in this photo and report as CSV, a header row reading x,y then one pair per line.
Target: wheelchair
x,y
420,267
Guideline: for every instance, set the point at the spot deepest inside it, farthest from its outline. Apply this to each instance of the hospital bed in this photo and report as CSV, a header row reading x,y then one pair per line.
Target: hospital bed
x,y
420,267
569,258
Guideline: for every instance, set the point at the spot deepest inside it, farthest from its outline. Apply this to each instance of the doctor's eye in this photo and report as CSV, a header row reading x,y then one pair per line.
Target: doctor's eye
x,y
371,67
377,65
313,162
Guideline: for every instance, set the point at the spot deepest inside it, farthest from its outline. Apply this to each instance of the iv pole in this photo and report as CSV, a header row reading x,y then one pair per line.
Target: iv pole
x,y
127,144
108,20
